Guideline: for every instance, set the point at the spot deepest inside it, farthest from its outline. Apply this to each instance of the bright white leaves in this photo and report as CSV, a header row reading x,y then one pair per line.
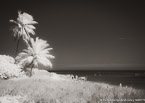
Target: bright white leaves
x,y
37,53
24,26
8,69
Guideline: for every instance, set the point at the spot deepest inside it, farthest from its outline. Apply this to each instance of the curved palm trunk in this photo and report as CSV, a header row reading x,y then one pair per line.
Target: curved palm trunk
x,y
18,42
27,34
31,70
31,65
27,44
27,41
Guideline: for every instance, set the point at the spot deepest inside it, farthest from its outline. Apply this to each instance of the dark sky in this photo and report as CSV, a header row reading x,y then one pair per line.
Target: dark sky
x,y
84,34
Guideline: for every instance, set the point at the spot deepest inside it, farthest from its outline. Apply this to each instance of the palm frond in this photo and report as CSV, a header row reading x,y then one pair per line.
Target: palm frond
x,y
16,32
40,45
25,18
26,61
13,21
44,61
21,56
29,30
30,26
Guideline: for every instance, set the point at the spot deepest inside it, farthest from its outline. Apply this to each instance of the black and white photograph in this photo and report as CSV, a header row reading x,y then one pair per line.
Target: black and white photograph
x,y
72,51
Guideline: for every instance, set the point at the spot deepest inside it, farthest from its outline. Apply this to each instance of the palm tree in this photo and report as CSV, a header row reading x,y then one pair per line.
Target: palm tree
x,y
23,28
36,53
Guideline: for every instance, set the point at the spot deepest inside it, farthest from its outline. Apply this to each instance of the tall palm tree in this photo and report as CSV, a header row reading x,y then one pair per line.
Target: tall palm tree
x,y
36,53
23,28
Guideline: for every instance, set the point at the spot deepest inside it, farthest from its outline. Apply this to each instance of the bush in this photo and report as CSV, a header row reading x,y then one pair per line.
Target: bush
x,y
8,69
6,58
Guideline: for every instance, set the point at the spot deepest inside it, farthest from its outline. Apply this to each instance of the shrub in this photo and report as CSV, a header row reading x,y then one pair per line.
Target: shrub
x,y
8,69
6,58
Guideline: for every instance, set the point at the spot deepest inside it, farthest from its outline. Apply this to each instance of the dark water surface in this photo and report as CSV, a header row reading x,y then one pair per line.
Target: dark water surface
x,y
130,78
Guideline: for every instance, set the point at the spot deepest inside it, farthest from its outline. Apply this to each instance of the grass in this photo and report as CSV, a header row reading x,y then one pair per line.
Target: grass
x,y
52,88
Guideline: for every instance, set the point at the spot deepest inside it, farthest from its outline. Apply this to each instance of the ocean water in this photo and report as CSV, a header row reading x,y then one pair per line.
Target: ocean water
x,y
130,78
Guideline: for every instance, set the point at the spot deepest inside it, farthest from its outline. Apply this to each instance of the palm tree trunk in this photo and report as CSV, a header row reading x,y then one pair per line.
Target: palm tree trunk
x,y
27,34
18,42
31,70
27,44
27,41
31,65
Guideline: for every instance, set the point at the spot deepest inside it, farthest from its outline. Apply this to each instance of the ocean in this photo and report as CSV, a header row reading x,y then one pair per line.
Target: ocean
x,y
129,78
